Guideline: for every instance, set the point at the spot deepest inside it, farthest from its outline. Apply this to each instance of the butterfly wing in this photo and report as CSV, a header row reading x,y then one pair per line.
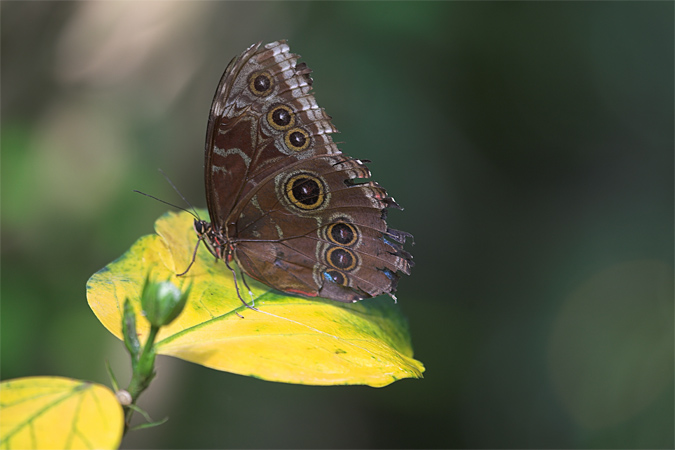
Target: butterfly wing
x,y
301,215
238,151
311,231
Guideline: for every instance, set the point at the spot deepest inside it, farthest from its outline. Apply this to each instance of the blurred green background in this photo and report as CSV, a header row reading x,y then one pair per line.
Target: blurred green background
x,y
530,143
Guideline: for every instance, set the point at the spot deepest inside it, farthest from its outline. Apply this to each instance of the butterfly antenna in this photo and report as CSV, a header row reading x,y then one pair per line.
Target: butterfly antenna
x,y
179,193
167,203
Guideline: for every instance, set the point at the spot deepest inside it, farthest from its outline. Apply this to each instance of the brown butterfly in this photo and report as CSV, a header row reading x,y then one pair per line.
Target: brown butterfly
x,y
285,203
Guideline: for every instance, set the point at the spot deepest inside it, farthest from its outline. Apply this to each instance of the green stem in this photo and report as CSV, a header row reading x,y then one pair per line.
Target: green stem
x,y
144,372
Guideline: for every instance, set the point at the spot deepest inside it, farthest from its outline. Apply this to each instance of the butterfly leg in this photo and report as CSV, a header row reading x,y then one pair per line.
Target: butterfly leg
x,y
243,278
194,256
236,288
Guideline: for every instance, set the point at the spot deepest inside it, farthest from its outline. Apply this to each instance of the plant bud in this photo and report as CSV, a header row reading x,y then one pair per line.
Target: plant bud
x,y
162,301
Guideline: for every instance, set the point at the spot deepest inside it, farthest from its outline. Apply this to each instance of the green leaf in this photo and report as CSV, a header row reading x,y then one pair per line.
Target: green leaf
x,y
111,375
290,339
149,422
55,412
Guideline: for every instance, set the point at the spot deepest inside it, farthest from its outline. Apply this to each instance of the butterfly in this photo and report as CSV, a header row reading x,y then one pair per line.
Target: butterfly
x,y
286,205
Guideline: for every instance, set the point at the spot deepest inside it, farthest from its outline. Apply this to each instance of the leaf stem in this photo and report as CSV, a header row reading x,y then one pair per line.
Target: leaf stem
x,y
143,373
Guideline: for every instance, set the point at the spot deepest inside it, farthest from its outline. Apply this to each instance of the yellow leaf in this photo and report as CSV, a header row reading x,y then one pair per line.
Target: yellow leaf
x,y
59,413
290,339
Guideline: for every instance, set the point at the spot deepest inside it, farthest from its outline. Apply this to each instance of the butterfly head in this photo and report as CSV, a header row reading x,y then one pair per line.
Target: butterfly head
x,y
202,227
214,240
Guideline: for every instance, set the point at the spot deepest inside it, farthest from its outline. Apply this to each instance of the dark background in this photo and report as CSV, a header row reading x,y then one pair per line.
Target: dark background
x,y
530,143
